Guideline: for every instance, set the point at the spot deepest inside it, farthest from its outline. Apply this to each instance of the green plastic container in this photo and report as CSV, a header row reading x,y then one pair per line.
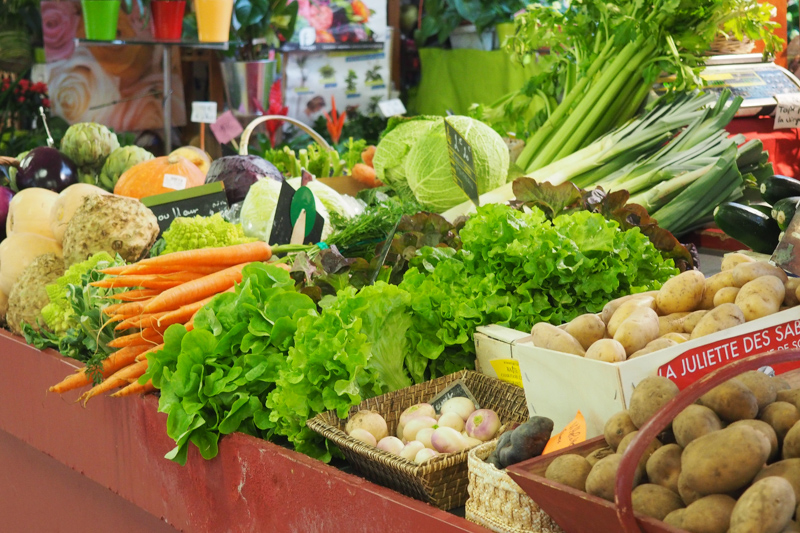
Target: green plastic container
x,y
504,31
100,19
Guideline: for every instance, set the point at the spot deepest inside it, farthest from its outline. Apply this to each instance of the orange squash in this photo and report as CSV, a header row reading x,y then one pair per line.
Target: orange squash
x,y
159,175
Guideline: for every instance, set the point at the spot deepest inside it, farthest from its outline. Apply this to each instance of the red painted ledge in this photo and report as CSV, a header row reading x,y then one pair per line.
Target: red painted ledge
x,y
119,444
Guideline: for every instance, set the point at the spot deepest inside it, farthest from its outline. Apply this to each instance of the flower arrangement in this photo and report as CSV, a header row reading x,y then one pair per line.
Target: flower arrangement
x,y
20,100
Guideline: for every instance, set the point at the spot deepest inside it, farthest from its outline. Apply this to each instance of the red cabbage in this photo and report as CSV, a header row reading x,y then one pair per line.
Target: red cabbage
x,y
239,173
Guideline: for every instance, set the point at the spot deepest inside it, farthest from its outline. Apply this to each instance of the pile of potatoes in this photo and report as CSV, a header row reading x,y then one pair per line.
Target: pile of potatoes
x,y
728,463
688,306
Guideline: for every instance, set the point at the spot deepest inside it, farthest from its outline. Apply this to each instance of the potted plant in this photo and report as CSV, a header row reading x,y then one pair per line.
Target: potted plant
x,y
258,27
20,33
445,19
167,19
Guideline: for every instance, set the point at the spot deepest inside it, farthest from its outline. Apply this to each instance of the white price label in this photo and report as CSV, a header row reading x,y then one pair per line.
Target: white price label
x,y
787,113
391,108
204,112
173,181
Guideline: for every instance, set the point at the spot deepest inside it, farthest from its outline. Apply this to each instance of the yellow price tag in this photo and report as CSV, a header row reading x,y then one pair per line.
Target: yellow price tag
x,y
573,434
508,371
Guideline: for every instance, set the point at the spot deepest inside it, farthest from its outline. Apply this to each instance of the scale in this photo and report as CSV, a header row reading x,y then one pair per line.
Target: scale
x,y
746,75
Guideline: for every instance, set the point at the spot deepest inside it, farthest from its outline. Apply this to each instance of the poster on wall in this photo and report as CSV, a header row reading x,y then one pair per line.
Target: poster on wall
x,y
330,24
357,79
119,86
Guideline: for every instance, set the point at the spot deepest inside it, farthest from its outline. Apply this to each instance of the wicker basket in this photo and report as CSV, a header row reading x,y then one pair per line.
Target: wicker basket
x,y
497,502
443,480
724,46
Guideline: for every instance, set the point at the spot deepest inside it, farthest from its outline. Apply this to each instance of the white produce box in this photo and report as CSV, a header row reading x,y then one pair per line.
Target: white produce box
x,y
558,385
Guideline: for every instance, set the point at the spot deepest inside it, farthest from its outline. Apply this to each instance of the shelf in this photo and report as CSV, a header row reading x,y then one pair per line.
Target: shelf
x,y
151,42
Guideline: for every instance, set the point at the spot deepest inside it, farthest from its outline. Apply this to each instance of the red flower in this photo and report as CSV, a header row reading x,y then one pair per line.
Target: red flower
x,y
21,99
46,102
24,83
276,107
334,122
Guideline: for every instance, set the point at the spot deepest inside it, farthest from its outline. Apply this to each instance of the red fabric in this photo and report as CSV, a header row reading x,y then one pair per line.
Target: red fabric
x,y
783,145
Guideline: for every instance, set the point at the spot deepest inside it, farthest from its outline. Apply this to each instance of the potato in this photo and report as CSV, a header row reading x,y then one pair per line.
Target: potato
x,y
659,344
617,427
611,307
629,309
761,297
607,350
726,295
638,330
655,501
550,337
781,384
788,469
603,476
664,466
710,514
691,321
649,396
761,385
791,527
790,298
672,323
791,443
586,329
713,285
723,461
694,422
675,518
688,495
731,401
723,317
789,395
766,507
732,260
677,337
682,293
598,454
747,272
571,470
781,416
654,445
766,430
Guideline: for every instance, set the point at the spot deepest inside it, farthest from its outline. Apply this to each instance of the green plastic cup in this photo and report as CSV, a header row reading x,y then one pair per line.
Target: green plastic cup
x,y
100,19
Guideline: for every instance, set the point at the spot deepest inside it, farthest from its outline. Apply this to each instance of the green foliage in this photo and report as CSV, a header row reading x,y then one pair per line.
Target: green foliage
x,y
194,233
262,25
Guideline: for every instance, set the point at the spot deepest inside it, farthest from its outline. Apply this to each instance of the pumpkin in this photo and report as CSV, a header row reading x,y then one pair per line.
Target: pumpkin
x,y
28,212
195,155
158,176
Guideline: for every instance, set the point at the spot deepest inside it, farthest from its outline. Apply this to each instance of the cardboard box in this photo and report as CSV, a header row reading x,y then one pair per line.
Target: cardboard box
x,y
558,385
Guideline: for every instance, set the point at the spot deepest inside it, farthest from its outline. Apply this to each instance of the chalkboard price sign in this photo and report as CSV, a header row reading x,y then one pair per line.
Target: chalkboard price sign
x,y
462,162
456,389
204,201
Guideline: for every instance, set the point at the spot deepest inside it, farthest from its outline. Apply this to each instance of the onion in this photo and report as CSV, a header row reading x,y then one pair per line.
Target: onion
x,y
460,405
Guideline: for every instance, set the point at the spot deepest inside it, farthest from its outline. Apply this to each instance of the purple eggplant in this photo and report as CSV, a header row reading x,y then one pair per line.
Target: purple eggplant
x,y
46,168
239,173
5,199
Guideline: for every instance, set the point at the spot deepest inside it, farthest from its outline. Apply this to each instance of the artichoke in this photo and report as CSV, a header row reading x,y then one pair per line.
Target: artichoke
x,y
118,162
89,144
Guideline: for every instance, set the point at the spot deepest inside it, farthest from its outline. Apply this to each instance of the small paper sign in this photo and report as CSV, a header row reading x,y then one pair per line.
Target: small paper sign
x,y
462,163
787,253
392,108
205,112
204,200
173,181
508,370
787,112
226,128
573,434
456,389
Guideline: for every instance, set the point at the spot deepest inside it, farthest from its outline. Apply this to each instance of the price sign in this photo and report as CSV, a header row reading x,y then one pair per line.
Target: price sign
x,y
787,253
226,128
204,201
205,112
456,389
573,434
508,370
462,163
391,108
787,113
283,222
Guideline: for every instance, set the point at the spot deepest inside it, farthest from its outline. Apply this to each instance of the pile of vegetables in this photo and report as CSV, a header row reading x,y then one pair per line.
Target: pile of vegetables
x,y
729,463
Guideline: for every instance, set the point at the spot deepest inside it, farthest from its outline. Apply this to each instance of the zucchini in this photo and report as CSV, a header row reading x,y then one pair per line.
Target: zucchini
x,y
776,188
764,208
749,226
783,211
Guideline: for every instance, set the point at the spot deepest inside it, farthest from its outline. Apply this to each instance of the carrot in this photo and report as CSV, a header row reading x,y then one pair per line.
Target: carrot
x,y
142,356
182,314
368,155
195,290
165,270
116,318
228,255
111,364
366,175
109,309
120,378
115,271
136,295
146,337
134,388
130,309
136,281
139,321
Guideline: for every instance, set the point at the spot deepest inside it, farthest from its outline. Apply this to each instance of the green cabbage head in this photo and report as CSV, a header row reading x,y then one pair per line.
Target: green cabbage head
x,y
390,155
428,163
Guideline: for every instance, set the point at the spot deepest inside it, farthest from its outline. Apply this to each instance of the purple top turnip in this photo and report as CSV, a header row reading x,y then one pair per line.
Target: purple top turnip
x,y
483,424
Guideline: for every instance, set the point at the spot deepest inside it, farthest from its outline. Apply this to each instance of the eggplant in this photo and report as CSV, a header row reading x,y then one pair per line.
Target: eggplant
x,y
239,173
5,199
46,168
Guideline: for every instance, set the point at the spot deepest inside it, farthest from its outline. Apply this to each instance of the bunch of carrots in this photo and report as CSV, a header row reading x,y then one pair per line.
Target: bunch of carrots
x,y
165,290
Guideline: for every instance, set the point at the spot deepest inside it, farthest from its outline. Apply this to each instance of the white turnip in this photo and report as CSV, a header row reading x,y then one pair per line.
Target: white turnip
x,y
424,436
420,409
364,436
459,405
369,421
452,420
411,450
447,440
470,442
415,424
423,456
483,424
391,445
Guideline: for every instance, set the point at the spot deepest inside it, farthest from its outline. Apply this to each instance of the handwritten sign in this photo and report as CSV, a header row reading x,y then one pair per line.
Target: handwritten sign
x,y
392,107
462,163
456,389
573,434
695,363
173,181
787,113
226,128
205,112
508,370
204,201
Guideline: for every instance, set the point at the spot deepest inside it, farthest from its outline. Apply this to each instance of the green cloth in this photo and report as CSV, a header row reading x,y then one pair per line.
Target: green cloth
x,y
455,79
